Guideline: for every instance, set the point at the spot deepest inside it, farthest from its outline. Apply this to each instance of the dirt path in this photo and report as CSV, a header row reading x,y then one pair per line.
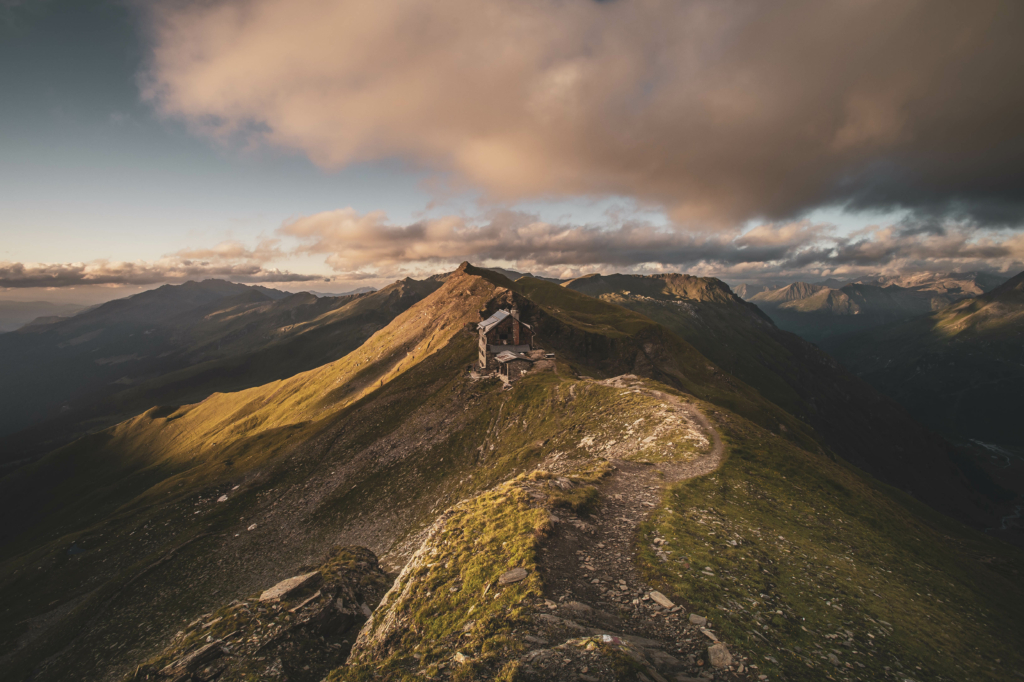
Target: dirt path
x,y
593,587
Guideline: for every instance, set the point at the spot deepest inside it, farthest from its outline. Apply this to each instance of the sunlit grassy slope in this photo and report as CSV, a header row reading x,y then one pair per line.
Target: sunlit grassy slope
x,y
175,345
246,428
121,538
123,524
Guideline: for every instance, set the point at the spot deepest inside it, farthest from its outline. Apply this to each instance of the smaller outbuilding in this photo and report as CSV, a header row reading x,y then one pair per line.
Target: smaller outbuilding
x,y
512,365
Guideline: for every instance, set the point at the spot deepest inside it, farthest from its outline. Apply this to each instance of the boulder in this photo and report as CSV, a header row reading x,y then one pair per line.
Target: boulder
x,y
719,656
699,621
286,587
513,576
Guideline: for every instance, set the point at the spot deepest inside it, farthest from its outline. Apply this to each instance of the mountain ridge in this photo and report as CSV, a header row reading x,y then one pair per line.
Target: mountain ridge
x,y
118,359
184,510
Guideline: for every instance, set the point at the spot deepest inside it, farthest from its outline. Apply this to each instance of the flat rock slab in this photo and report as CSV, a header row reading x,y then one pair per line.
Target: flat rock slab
x,y
286,587
661,599
194,660
513,576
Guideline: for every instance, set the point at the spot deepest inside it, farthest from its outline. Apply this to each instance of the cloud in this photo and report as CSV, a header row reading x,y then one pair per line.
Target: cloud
x,y
369,247
354,243
718,111
167,270
232,251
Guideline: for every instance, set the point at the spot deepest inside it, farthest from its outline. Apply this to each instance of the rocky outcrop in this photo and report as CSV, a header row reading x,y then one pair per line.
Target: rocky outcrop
x,y
300,629
382,626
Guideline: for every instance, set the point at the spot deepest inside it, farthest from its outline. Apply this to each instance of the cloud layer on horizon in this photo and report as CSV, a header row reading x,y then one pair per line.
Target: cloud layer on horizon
x,y
166,270
368,246
355,245
718,111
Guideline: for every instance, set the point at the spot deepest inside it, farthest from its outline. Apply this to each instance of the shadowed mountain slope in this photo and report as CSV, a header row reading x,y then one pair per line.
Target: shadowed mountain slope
x,y
821,311
959,370
851,417
15,314
170,345
125,537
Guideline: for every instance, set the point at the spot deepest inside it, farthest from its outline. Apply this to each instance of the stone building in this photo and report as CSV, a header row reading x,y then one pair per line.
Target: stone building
x,y
512,365
503,332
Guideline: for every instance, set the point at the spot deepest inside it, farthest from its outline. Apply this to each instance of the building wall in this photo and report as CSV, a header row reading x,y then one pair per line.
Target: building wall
x,y
514,333
518,368
511,371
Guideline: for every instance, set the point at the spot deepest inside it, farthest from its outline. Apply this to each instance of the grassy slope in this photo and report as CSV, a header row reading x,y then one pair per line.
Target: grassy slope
x,y
852,418
958,370
318,459
225,345
844,559
836,552
603,339
133,494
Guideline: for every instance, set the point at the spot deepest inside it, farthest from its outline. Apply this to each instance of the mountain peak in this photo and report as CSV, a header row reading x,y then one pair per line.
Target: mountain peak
x,y
1012,287
667,286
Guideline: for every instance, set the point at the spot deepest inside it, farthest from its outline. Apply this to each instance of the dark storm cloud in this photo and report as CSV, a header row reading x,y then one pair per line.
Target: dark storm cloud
x,y
719,111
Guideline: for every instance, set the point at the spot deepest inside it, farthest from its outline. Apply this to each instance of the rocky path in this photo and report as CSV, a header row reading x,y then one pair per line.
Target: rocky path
x,y
599,619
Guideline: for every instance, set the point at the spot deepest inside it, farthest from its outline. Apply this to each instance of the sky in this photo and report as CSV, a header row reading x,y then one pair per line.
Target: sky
x,y
332,144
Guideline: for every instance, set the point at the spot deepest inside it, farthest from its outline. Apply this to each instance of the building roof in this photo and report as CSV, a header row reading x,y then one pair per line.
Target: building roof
x,y
508,356
493,320
496,318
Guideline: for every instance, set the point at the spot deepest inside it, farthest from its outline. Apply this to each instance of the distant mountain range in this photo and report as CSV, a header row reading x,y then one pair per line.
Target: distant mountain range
x,y
960,370
833,308
513,275
177,343
360,290
16,314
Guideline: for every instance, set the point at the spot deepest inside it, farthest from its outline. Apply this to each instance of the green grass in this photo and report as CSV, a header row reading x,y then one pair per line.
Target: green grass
x,y
843,558
448,599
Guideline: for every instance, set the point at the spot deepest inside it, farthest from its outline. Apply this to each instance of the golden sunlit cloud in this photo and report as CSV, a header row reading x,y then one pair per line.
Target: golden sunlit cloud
x,y
718,111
